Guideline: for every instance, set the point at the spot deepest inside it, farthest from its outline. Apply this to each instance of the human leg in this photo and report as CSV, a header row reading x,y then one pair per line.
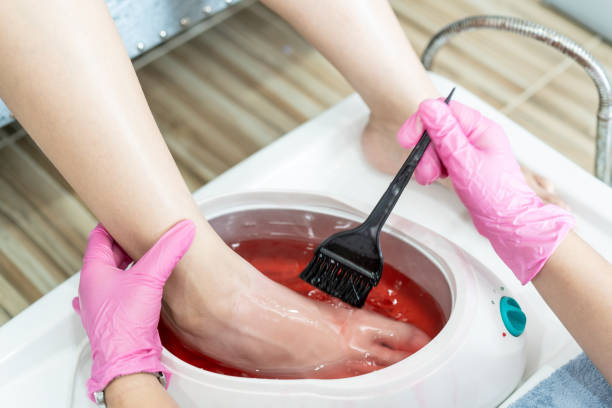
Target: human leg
x,y
66,76
365,42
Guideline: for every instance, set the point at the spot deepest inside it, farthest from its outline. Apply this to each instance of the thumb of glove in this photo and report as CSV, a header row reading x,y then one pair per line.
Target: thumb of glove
x,y
160,260
453,146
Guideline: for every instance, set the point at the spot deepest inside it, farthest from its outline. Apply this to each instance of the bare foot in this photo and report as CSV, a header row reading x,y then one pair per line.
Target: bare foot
x,y
383,152
264,328
543,188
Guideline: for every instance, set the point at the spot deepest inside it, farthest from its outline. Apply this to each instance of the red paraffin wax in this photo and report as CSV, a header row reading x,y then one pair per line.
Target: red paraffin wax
x,y
282,260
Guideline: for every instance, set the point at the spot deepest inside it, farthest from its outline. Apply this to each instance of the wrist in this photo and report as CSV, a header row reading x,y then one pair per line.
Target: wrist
x,y
145,361
123,389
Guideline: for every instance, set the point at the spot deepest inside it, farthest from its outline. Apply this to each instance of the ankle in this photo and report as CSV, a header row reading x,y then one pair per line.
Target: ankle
x,y
206,285
386,125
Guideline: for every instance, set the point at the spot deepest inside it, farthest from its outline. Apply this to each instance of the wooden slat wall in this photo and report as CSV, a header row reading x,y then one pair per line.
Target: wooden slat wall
x,y
246,82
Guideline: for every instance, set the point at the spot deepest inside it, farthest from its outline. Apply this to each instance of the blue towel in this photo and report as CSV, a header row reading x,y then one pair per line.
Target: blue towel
x,y
576,384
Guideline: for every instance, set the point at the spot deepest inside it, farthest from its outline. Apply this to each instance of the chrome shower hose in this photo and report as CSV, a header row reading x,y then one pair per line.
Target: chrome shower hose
x,y
603,147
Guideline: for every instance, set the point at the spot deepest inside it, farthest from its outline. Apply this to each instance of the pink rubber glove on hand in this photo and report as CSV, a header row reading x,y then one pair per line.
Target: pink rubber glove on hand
x,y
120,309
430,167
487,178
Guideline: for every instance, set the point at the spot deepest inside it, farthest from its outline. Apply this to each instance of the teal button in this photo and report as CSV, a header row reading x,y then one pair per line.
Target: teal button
x,y
513,317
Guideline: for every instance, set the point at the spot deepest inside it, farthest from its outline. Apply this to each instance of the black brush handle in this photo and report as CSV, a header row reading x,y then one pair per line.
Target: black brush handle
x,y
379,215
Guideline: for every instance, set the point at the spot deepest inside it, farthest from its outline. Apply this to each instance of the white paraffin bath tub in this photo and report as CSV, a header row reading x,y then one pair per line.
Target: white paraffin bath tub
x,y
44,355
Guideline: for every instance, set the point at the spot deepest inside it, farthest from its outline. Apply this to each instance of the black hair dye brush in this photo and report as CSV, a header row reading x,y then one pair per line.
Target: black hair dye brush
x,y
349,264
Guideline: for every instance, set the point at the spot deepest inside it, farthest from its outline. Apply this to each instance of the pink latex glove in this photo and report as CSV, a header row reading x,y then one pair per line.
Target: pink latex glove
x,y
120,309
487,178
430,167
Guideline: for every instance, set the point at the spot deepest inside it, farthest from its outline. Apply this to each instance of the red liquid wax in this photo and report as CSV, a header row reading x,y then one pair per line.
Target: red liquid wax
x,y
396,296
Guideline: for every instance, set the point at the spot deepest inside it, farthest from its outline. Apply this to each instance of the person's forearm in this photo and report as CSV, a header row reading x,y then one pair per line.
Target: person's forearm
x,y
137,390
365,41
66,76
575,283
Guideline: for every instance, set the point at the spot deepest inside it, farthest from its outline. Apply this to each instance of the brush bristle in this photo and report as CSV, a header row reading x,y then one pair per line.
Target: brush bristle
x,y
338,280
